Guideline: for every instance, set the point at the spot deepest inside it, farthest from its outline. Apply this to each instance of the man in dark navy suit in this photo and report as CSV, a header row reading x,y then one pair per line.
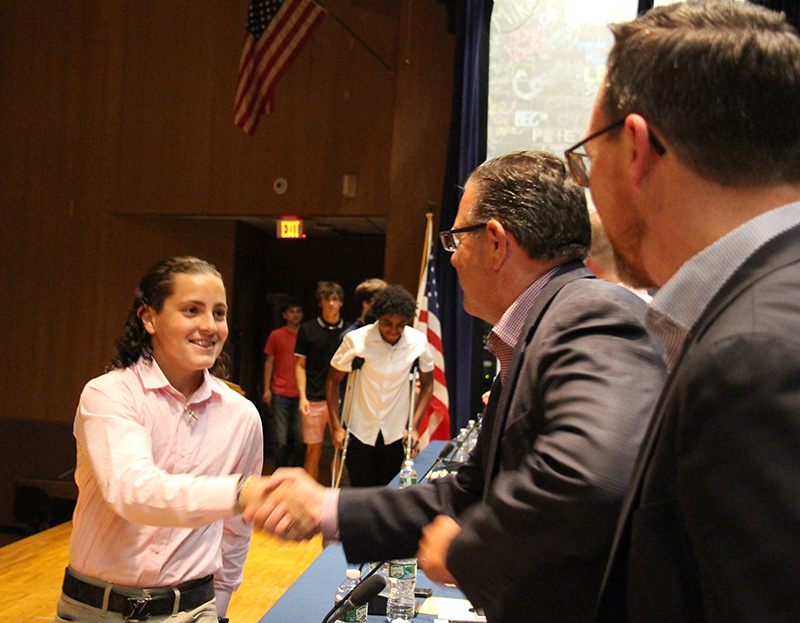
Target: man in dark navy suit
x,y
694,147
525,526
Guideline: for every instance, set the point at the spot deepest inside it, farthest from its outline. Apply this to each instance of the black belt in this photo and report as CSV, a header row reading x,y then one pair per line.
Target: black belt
x,y
140,604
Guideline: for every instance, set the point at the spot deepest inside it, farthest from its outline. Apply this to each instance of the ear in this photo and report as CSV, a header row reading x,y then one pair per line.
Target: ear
x,y
498,238
146,314
643,155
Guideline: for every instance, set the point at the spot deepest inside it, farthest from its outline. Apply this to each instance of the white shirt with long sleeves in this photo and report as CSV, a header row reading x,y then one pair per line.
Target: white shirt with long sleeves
x,y
382,396
157,487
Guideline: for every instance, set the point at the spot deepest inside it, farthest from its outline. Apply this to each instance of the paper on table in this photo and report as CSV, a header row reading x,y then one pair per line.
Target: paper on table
x,y
453,610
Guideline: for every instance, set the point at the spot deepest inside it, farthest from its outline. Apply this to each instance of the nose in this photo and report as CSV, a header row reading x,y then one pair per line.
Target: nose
x,y
207,323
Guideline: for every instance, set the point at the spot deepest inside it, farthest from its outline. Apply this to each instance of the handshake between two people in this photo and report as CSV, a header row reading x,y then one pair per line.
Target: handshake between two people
x,y
288,504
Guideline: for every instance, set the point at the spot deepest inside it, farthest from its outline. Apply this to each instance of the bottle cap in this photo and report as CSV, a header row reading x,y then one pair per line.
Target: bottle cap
x,y
353,574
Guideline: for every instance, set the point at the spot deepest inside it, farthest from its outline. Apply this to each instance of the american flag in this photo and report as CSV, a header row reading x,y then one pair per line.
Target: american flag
x,y
436,422
276,31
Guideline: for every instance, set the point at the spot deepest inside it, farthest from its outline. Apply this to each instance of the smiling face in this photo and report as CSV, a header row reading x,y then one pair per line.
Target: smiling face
x,y
391,327
189,331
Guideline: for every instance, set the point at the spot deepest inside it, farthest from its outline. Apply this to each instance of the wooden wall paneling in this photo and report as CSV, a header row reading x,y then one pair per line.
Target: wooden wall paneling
x,y
57,102
332,115
421,128
169,88
375,23
333,112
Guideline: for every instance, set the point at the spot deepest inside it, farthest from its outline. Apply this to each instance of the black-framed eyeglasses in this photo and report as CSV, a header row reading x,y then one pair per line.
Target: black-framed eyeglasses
x,y
450,242
579,162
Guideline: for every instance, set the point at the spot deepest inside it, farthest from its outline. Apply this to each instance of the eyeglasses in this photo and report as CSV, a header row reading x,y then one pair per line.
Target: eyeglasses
x,y
580,163
451,242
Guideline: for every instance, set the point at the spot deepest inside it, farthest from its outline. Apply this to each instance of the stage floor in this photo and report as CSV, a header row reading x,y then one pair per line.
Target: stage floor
x,y
32,569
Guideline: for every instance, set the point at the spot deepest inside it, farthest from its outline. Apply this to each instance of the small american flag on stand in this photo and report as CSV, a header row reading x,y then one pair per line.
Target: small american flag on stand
x,y
435,423
276,31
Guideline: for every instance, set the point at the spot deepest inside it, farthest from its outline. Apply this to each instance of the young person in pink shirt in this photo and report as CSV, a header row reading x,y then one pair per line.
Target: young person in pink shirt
x,y
165,462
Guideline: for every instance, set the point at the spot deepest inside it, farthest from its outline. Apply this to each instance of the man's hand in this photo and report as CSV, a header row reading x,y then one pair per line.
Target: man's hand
x,y
293,505
267,397
304,407
432,552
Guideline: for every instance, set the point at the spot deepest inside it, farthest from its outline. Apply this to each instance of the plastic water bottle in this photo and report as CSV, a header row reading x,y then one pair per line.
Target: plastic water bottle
x,y
472,439
356,614
408,475
402,574
462,452
401,605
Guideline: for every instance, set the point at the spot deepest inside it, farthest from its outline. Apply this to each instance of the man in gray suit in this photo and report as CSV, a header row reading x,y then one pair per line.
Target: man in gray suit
x,y
525,525
694,147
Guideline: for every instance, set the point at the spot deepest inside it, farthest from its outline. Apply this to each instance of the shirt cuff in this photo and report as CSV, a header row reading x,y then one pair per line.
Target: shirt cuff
x,y
329,520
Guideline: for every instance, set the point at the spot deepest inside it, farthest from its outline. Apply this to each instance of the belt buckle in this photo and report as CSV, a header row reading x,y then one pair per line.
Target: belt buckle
x,y
138,606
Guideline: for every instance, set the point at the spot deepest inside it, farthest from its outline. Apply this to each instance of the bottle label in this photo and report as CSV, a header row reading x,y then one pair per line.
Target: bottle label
x,y
356,615
407,480
405,570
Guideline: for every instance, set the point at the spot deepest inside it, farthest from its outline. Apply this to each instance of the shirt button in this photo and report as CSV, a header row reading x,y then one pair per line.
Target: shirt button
x,y
157,549
183,454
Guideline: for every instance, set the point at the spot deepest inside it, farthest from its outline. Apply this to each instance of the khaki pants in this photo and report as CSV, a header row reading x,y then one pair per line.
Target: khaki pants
x,y
71,610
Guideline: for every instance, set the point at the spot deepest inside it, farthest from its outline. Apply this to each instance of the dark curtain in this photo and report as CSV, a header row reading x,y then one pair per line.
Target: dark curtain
x,y
469,20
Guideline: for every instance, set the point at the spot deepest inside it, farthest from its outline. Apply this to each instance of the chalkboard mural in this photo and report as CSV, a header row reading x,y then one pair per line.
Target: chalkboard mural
x,y
547,58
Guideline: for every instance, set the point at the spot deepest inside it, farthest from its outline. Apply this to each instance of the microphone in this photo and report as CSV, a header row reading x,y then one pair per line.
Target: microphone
x,y
365,590
447,449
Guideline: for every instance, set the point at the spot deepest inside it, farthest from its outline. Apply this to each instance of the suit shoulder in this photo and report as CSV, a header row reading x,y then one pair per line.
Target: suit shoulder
x,y
597,296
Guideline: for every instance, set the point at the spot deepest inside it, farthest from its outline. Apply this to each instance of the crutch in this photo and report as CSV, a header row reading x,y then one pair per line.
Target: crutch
x,y
412,389
352,378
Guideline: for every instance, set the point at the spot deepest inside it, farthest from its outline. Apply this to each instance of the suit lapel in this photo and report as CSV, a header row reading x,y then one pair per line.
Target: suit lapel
x,y
566,273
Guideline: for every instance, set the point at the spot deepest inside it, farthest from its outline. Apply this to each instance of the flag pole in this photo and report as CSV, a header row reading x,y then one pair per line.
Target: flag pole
x,y
426,249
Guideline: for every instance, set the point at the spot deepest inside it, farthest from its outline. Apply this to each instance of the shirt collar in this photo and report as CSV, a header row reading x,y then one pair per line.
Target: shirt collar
x,y
153,379
327,325
506,333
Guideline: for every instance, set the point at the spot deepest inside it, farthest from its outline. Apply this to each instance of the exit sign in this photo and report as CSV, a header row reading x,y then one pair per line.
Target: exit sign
x,y
290,228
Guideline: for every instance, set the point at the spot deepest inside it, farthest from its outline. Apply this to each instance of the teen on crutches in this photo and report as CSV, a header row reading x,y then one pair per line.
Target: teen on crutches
x,y
378,420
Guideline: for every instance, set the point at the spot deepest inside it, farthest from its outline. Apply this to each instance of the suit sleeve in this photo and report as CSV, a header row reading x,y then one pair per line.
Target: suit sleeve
x,y
380,523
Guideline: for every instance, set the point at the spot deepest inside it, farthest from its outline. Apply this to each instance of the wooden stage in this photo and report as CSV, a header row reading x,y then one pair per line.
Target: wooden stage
x,y
31,571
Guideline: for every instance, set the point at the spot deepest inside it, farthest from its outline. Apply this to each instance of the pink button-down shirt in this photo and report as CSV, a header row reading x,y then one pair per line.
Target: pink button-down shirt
x,y
157,486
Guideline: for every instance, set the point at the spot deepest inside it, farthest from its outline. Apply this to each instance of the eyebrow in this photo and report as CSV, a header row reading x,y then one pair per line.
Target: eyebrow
x,y
198,302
